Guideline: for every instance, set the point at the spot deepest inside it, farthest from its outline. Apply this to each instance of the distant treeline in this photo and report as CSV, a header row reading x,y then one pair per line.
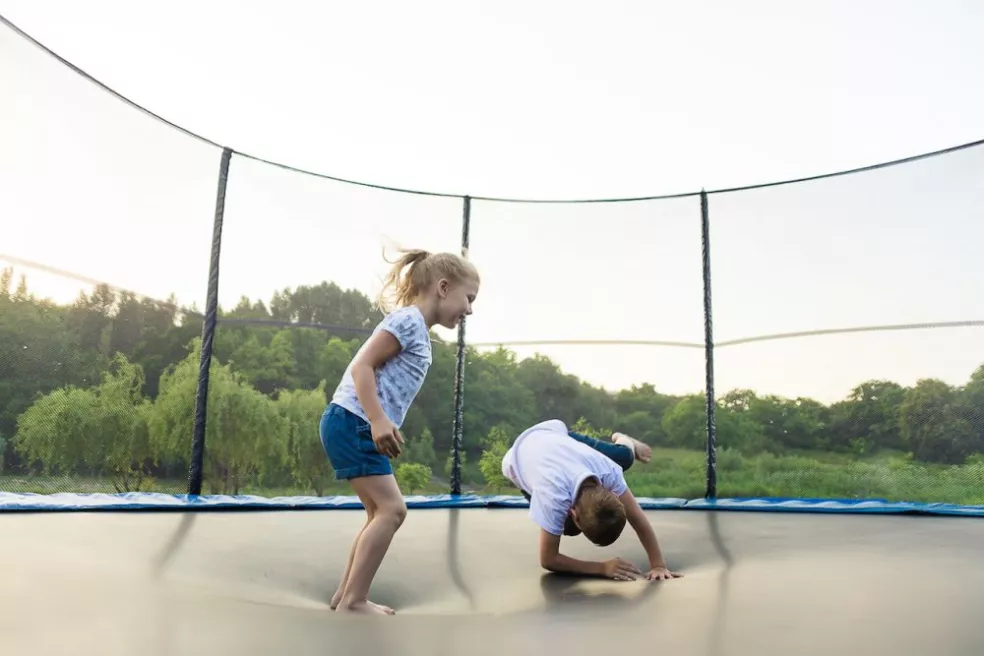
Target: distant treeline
x,y
105,386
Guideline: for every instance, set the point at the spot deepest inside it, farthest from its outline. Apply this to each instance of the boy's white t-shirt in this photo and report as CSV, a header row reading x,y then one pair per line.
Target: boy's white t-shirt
x,y
550,466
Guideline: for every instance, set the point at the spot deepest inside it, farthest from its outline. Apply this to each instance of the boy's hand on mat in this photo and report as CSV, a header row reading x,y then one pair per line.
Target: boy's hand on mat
x,y
387,438
621,570
661,574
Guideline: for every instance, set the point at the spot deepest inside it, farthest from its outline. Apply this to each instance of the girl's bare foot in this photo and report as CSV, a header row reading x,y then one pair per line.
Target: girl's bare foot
x,y
365,608
335,600
643,452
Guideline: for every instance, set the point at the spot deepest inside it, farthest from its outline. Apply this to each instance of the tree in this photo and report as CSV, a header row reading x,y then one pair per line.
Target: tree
x,y
412,476
869,417
490,465
245,434
640,413
935,425
421,449
685,424
102,430
72,402
308,463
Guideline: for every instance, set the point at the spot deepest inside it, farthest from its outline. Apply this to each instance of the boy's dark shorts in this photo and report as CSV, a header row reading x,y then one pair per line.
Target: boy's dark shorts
x,y
347,439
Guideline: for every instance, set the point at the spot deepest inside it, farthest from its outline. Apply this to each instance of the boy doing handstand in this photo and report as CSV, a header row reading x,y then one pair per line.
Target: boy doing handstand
x,y
576,484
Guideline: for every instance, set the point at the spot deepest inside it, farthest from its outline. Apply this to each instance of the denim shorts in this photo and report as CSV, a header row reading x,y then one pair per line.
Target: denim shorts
x,y
347,440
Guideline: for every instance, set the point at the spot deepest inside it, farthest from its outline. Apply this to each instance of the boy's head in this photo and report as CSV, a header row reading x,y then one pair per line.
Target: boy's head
x,y
599,514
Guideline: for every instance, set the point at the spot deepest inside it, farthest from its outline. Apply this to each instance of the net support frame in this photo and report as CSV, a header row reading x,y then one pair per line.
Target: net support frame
x,y
705,232
195,473
459,372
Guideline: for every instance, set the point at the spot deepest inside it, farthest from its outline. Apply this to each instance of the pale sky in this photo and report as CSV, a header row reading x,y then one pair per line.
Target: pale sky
x,y
532,100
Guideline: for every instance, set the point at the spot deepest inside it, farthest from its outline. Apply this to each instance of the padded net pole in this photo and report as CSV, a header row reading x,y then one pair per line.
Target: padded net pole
x,y
705,231
208,332
459,374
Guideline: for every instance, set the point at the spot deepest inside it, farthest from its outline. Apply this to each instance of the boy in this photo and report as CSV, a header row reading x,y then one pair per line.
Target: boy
x,y
575,484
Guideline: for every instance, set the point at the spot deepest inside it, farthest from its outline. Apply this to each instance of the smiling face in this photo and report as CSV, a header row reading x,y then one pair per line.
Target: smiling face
x,y
455,301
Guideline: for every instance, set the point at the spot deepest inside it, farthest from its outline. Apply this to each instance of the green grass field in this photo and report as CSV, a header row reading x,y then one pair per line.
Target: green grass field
x,y
680,473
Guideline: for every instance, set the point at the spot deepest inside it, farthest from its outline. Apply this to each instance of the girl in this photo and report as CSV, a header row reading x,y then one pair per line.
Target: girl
x,y
360,429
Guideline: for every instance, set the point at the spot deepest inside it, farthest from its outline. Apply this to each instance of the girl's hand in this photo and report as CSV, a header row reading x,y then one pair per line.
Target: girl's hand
x,y
386,436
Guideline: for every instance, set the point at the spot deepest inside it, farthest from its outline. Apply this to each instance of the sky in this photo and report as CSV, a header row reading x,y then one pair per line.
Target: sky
x,y
542,100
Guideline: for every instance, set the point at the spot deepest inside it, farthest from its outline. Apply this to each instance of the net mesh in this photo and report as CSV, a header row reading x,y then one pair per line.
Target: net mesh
x,y
891,414
590,313
559,279
105,219
303,260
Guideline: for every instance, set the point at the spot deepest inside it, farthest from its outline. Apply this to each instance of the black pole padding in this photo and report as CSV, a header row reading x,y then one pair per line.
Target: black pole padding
x,y
208,333
705,230
459,374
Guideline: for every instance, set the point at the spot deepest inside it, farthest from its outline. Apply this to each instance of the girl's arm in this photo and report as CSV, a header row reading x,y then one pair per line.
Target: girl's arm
x,y
380,348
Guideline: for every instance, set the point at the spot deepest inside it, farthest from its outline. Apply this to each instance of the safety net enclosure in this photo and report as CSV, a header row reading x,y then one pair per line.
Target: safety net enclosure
x,y
174,314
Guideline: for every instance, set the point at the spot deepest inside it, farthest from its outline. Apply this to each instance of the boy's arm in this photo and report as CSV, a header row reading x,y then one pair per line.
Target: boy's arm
x,y
637,519
551,559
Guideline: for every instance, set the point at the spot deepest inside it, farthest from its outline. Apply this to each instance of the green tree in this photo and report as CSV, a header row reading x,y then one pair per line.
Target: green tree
x,y
870,414
685,424
308,463
934,423
99,431
39,353
640,412
245,434
421,449
412,476
490,465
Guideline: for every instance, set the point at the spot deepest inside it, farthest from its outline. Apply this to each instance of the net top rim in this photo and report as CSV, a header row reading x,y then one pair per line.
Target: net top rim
x,y
422,192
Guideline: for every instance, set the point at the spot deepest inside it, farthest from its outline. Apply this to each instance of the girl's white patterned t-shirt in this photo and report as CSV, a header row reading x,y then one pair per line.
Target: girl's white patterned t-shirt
x,y
399,380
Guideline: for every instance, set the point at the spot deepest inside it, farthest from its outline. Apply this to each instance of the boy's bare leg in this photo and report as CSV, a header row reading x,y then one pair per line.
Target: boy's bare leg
x,y
643,452
374,541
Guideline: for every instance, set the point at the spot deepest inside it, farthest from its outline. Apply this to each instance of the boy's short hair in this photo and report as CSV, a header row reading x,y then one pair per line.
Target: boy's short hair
x,y
601,516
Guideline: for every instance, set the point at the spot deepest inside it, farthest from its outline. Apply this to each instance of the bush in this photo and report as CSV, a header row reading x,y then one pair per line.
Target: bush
x,y
491,466
412,477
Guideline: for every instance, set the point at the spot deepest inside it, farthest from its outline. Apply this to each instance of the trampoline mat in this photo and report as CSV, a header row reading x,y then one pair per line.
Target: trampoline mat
x,y
467,581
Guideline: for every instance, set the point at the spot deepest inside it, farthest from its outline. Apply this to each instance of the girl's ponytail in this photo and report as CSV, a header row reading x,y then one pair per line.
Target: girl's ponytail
x,y
401,289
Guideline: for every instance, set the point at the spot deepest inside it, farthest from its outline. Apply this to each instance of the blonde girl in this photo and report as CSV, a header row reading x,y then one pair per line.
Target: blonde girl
x,y
360,429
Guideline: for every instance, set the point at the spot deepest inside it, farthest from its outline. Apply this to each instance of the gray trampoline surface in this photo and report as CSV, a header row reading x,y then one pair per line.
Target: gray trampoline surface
x,y
468,582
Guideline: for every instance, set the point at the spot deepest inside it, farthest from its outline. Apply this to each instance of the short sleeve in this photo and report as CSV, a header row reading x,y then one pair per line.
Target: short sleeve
x,y
614,480
403,325
548,510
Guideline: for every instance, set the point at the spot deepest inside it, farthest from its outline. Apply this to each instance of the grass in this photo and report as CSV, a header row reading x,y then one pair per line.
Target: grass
x,y
678,473
681,473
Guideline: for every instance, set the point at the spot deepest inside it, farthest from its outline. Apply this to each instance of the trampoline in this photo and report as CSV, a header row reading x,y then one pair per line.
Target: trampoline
x,y
466,580
157,574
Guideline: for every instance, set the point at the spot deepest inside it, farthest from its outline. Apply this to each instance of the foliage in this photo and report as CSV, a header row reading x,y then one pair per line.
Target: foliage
x,y
308,465
99,430
412,477
104,388
490,465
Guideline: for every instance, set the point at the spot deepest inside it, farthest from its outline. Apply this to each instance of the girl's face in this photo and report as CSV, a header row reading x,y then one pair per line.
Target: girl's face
x,y
455,301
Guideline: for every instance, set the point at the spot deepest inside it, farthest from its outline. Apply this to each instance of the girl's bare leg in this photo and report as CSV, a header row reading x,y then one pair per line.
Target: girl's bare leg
x,y
337,597
369,549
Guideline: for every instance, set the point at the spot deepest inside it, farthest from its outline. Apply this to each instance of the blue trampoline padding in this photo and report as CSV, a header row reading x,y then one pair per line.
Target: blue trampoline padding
x,y
10,502
854,506
156,501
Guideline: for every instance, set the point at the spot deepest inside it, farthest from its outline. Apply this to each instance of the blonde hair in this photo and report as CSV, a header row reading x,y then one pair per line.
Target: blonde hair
x,y
601,515
400,288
